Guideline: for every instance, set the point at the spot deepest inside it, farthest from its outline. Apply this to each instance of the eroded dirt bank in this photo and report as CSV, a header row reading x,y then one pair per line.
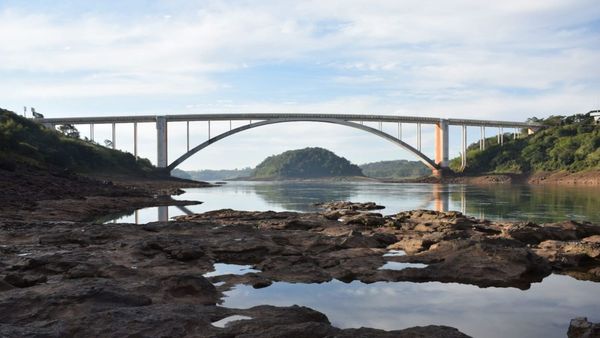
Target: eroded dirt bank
x,y
61,279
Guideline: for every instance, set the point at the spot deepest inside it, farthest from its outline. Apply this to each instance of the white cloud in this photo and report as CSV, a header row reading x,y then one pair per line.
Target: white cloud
x,y
505,60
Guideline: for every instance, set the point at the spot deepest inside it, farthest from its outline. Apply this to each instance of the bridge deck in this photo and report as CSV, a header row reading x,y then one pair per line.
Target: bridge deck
x,y
257,117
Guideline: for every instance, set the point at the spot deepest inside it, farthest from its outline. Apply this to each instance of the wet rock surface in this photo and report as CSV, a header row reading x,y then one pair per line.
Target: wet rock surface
x,y
52,194
581,328
63,279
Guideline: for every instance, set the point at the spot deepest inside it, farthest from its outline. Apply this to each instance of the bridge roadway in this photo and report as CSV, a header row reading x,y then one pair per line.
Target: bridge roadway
x,y
268,116
437,165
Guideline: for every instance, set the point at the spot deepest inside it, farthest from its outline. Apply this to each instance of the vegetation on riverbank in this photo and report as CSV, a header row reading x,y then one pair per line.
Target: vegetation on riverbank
x,y
23,141
212,175
395,169
566,144
305,163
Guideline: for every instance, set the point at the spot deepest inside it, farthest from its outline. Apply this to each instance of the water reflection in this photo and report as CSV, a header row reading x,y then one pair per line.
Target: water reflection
x,y
543,311
301,196
497,202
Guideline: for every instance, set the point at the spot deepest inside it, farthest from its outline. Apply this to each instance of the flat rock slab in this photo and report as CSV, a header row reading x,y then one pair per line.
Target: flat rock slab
x,y
82,279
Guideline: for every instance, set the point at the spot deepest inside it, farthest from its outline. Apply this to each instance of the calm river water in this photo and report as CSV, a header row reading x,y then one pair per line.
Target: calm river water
x,y
494,202
542,311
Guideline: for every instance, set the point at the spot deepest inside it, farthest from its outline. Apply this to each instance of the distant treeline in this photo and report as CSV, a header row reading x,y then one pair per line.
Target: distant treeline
x,y
395,169
311,163
213,175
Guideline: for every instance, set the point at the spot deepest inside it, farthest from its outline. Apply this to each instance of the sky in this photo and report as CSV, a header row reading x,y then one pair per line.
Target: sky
x,y
503,60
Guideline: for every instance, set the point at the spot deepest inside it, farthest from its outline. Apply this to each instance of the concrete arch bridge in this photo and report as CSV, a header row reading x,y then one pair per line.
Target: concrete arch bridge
x,y
437,164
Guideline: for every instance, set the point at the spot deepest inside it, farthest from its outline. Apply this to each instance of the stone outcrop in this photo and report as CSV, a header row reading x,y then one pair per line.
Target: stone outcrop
x,y
581,328
86,279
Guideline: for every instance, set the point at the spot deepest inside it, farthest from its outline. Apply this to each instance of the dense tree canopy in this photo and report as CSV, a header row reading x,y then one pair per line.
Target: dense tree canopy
x,y
306,163
26,141
395,169
567,143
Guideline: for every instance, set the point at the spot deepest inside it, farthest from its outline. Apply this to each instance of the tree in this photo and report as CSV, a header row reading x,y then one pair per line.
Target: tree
x,y
69,130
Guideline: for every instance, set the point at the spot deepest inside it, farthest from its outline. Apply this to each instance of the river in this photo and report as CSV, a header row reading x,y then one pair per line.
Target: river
x,y
494,202
542,311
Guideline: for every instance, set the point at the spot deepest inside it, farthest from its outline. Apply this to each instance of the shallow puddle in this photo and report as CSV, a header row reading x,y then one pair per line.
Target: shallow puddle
x,y
545,310
401,266
395,253
230,269
225,321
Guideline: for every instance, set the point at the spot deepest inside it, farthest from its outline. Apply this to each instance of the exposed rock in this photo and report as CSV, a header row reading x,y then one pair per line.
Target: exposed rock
x,y
347,205
566,231
581,328
431,331
85,279
364,219
494,262
23,281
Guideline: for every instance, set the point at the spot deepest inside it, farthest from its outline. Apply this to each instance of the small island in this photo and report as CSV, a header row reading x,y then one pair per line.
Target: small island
x,y
307,163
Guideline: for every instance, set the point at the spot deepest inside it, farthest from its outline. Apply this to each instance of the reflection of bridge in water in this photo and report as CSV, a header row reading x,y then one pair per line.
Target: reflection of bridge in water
x,y
510,202
439,200
437,164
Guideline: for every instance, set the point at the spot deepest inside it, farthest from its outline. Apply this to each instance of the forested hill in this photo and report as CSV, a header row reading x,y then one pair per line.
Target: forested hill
x,y
306,163
567,144
212,175
25,142
395,169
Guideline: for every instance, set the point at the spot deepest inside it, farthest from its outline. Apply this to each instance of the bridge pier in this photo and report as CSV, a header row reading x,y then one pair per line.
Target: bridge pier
x,y
135,139
114,136
441,143
463,154
161,142
418,136
441,147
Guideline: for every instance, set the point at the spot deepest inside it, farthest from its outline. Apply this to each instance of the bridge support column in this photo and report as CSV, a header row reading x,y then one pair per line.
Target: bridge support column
x,y
114,135
418,136
463,154
441,143
135,139
482,139
161,142
441,146
400,131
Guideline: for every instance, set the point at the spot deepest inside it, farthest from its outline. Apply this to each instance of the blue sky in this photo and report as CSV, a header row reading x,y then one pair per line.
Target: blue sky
x,y
508,60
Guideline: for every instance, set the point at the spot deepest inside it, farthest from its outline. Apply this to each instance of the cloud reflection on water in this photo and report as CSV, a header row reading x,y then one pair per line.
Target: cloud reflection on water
x,y
512,202
542,311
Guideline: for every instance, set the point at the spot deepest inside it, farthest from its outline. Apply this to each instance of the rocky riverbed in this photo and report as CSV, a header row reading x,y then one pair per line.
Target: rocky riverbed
x,y
74,278
33,194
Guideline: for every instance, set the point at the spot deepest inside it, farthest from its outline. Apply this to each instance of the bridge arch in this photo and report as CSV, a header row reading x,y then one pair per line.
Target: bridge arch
x,y
426,160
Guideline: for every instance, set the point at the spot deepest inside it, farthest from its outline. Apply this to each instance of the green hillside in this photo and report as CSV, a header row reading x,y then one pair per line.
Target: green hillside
x,y
306,163
212,175
395,169
566,144
23,141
